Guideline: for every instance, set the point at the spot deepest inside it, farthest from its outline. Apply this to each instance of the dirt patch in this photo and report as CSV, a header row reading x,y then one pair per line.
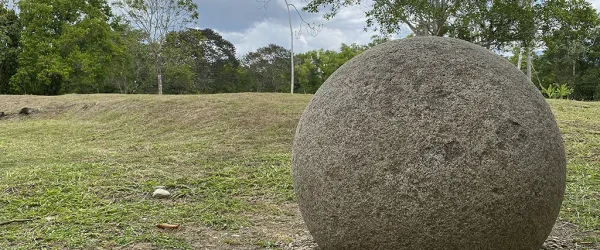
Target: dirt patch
x,y
567,235
287,231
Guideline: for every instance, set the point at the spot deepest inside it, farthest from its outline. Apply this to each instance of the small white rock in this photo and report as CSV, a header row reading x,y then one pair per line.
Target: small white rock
x,y
161,193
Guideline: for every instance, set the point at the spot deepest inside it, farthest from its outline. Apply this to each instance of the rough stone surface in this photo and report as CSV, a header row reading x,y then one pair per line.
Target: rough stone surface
x,y
428,143
161,193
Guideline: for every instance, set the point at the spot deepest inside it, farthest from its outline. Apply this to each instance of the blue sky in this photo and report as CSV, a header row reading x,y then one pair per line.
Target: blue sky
x,y
249,27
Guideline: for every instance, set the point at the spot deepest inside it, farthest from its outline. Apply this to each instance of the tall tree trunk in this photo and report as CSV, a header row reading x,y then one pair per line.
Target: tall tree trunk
x,y
292,51
160,85
574,67
529,63
159,74
520,58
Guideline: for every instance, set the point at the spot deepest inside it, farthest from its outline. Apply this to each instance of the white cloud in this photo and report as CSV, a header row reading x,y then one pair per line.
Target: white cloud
x,y
273,31
346,27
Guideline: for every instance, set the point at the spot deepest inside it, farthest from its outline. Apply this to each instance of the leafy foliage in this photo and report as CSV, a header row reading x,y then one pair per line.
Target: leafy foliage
x,y
65,46
269,67
53,47
557,91
493,24
156,18
485,22
317,65
10,33
217,68
131,71
572,55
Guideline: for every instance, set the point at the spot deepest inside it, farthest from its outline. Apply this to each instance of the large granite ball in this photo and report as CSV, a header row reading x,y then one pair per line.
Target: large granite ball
x,y
428,143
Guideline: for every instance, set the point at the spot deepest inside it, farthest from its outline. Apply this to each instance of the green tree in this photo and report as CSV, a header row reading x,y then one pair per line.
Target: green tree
x,y
217,67
486,22
567,27
422,17
568,31
270,68
156,18
179,78
87,47
211,59
246,80
10,33
493,24
182,51
131,71
231,80
317,65
308,72
64,45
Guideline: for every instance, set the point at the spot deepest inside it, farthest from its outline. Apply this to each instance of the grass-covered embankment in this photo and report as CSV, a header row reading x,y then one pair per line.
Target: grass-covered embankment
x,y
83,169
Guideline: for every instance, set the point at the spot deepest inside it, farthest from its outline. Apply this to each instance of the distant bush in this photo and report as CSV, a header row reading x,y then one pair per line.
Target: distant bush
x,y
556,91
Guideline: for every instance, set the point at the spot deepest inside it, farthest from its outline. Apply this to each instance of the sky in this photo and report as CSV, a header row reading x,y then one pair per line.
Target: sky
x,y
249,26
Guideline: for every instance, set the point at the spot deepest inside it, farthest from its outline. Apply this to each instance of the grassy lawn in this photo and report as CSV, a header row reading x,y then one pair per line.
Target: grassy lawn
x,y
83,169
579,123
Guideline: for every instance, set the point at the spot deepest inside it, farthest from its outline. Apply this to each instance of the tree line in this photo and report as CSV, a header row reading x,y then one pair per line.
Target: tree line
x,y
52,47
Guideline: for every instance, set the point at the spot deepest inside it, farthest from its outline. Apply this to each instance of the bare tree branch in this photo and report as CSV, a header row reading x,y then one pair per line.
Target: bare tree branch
x,y
311,28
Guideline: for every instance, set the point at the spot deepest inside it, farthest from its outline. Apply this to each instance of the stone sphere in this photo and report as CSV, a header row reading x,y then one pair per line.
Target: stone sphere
x,y
428,143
